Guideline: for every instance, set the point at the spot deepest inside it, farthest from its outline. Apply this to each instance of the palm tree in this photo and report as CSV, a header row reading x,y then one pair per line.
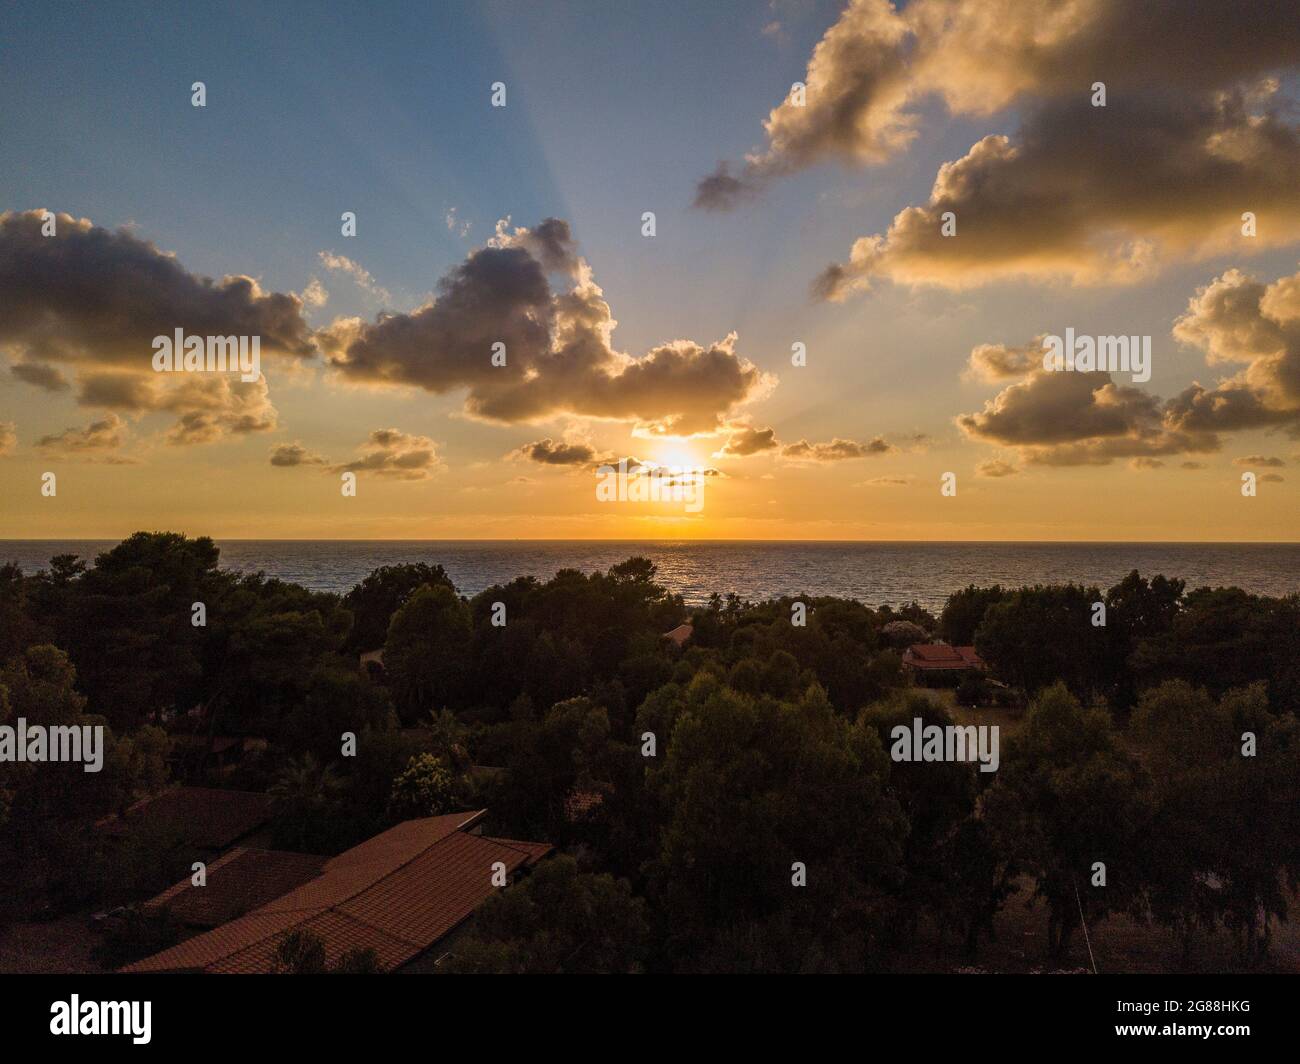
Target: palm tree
x,y
306,794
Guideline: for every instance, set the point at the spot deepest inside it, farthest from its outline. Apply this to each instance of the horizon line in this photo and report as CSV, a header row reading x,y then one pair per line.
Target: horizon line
x,y
682,540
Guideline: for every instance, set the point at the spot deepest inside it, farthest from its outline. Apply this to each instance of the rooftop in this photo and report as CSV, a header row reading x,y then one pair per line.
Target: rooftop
x,y
206,817
941,656
397,893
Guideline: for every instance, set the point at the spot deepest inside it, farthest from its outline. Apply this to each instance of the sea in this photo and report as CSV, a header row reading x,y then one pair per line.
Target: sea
x,y
874,573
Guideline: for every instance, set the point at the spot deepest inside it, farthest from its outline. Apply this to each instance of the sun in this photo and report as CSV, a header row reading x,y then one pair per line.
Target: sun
x,y
676,455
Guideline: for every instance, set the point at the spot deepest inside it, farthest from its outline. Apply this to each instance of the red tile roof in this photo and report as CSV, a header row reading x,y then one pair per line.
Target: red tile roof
x,y
680,634
579,804
397,894
206,817
941,656
237,882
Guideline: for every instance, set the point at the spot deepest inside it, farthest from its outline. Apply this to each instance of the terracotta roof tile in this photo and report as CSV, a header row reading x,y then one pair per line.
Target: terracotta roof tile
x,y
238,882
206,817
397,894
941,656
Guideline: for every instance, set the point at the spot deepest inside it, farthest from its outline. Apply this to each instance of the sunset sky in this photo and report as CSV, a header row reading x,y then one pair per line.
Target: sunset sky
x,y
775,225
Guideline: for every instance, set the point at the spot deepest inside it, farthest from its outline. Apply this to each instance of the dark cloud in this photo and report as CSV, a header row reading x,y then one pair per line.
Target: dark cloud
x,y
1070,418
91,295
559,358
551,452
745,440
836,450
993,468
878,66
41,375
94,442
93,299
1066,198
394,454
722,190
8,438
1260,461
288,455
1078,419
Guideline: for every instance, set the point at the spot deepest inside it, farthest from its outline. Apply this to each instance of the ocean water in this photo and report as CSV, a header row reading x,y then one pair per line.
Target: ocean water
x,y
874,573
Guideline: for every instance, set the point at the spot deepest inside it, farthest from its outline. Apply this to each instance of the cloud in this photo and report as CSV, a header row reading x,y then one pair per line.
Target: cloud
x,y
314,295
559,358
1272,478
551,452
1078,419
1068,198
1146,463
42,375
1238,320
209,407
92,296
745,440
1193,133
394,454
342,264
887,482
1066,418
1259,460
993,468
94,299
8,438
722,190
997,362
1191,465
287,455
455,224
876,69
836,450
92,443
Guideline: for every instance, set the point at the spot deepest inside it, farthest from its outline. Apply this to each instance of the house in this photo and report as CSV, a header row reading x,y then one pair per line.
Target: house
x,y
207,819
581,804
237,882
680,634
939,663
401,894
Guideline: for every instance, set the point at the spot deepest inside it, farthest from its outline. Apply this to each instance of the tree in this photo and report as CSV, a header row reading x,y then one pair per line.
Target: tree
x,y
1067,798
964,611
424,788
300,953
308,796
749,787
1223,638
1039,635
1187,741
381,594
126,624
557,920
425,653
1136,610
900,634
337,699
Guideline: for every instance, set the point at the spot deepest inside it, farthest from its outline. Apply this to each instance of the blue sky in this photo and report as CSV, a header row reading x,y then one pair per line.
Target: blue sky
x,y
613,109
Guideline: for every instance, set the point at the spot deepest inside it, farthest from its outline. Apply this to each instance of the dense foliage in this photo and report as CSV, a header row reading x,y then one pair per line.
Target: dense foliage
x,y
727,805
